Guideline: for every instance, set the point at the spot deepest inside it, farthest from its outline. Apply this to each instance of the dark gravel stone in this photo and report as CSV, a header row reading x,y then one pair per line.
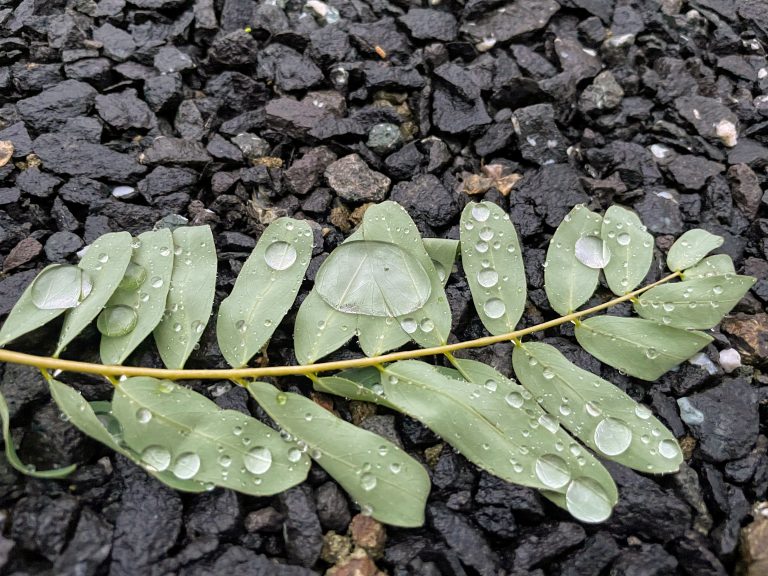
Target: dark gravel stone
x,y
241,561
597,553
42,523
163,181
17,133
426,24
524,502
289,69
61,245
538,137
82,190
332,508
163,91
724,419
660,212
89,547
124,110
539,546
237,48
65,154
352,179
553,190
50,109
468,543
605,93
166,150
427,200
117,43
304,174
645,560
302,530
296,118
11,286
710,118
692,172
170,59
34,182
516,19
216,513
20,385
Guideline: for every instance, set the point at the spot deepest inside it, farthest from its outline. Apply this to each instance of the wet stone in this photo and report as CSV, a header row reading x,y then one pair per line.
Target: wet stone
x,y
368,534
289,69
514,20
64,154
647,559
250,145
237,48
50,109
117,44
162,91
711,119
25,251
302,530
352,180
166,150
303,175
34,182
660,212
88,549
60,246
603,94
468,543
332,507
217,513
546,542
18,136
42,523
170,59
745,189
427,200
264,520
597,552
124,110
538,137
222,149
692,172
293,116
424,24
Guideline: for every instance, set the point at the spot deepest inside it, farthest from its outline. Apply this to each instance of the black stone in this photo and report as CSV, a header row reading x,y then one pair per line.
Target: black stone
x,y
124,110
61,245
427,200
424,24
468,543
302,530
50,109
64,154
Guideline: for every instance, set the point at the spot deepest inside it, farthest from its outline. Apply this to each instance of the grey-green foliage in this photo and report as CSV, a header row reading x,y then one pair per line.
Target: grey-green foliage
x,y
386,286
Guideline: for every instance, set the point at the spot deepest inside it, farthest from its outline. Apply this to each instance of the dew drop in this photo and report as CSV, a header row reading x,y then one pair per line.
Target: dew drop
x,y
134,276
60,286
241,326
717,290
156,282
552,471
225,460
491,385
481,247
652,353
486,234
280,255
565,410
642,412
514,399
258,460
156,457
186,466
395,467
103,258
393,380
592,252
587,501
548,374
669,448
116,321
368,482
494,308
549,423
427,325
623,239
198,326
612,436
143,415
487,278
409,325
165,251
294,455
281,399
177,327
480,213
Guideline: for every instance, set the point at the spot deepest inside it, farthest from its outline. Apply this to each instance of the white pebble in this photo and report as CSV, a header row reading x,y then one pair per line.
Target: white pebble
x,y
729,359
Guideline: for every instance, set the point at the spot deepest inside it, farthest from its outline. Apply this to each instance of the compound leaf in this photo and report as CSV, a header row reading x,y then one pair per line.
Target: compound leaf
x,y
319,329
631,249
639,347
138,305
695,303
105,261
492,260
690,248
264,291
442,251
717,265
175,429
388,484
190,298
569,282
361,384
595,411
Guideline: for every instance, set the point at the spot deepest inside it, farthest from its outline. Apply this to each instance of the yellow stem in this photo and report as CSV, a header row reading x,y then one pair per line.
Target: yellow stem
x,y
44,362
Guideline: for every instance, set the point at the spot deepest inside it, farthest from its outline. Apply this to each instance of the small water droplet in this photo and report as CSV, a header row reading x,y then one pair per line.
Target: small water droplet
x,y
241,326
587,501
491,385
165,251
103,258
294,455
481,247
427,325
409,325
281,399
548,374
143,415
368,482
198,326
514,399
186,466
487,278
612,436
480,213
280,255
395,467
156,282
258,460
651,353
643,412
494,308
669,448
177,327
225,460
486,233
116,321
624,239
393,380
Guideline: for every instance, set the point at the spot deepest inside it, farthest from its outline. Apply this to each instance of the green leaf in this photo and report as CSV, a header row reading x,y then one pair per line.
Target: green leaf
x,y
442,251
319,329
176,429
631,249
379,335
388,484
373,279
496,425
641,348
690,248
361,384
717,265
389,222
493,262
147,300
13,457
105,261
596,411
25,316
95,419
698,303
265,290
190,298
568,282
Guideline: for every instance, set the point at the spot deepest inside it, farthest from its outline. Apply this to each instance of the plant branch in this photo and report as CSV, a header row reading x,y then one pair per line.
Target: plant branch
x,y
47,363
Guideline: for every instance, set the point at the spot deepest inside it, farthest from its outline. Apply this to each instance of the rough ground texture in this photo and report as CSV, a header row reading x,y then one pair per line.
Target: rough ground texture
x,y
234,112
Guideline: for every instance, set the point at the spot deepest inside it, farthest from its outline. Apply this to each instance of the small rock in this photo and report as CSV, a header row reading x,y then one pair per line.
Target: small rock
x,y
251,146
166,150
598,551
514,20
293,116
603,94
424,24
37,183
336,547
117,44
692,172
384,138
754,538
710,118
368,534
88,548
25,251
124,110
6,152
170,59
50,109
42,523
356,564
427,200
216,513
302,531
468,543
303,175
538,137
352,180
264,520
730,360
65,154
745,189
541,545
61,245
332,507
161,92
750,337
648,560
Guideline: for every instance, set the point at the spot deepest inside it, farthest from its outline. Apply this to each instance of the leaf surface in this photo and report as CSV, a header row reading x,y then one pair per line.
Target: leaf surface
x,y
595,411
717,265
388,483
379,335
492,260
442,251
568,282
175,429
639,347
319,329
690,248
696,303
361,384
264,291
190,297
631,248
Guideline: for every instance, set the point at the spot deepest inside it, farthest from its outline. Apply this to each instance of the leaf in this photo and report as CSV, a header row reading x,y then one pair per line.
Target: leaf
x,y
361,384
84,416
389,222
178,430
379,335
690,248
388,484
493,262
641,348
567,281
373,279
442,251
105,261
596,411
319,329
147,300
13,457
25,316
190,298
631,249
717,265
264,291
497,425
698,303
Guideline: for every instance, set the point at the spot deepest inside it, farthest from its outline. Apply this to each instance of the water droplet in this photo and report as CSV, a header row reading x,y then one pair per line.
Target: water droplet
x,y
552,471
480,213
156,282
177,327
116,321
427,325
486,234
281,399
668,306
308,417
717,290
514,399
198,326
60,286
592,252
652,353
481,247
548,374
165,251
409,325
368,482
225,460
133,277
280,255
393,379
549,423
143,415
487,278
143,297
103,258
294,454
491,385
156,457
186,466
494,308
241,326
669,448
565,410
643,412
587,501
612,436
395,467
258,460
623,239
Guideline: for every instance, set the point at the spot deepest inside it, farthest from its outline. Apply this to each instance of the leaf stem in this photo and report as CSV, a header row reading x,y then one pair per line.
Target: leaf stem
x,y
44,362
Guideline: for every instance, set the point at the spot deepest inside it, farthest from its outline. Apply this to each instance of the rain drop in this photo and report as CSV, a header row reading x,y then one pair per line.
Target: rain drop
x,y
409,325
258,460
156,282
486,234
368,482
165,251
294,454
612,436
491,385
481,247
198,326
494,308
669,448
186,466
280,255
133,277
487,278
642,412
552,471
651,353
592,252
548,374
623,239
480,213
514,399
549,423
395,467
156,457
143,415
587,501
427,325
116,321
717,290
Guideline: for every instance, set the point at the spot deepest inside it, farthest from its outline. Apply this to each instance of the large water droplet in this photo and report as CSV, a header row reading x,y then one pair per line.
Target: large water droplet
x,y
623,239
486,234
116,321
368,482
280,255
186,466
409,325
549,423
294,454
156,457
258,460
514,399
494,308
669,448
592,252
480,213
552,471
587,501
133,277
143,415
487,278
612,436
60,286
642,412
